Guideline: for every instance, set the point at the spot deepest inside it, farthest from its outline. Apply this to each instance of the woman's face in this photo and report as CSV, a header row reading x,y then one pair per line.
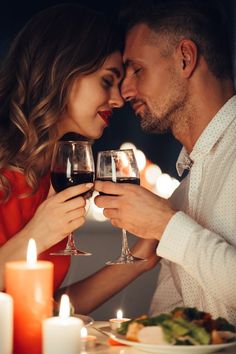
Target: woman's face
x,y
92,99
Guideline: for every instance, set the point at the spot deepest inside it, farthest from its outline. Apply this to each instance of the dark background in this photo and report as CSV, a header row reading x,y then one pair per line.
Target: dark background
x,y
162,149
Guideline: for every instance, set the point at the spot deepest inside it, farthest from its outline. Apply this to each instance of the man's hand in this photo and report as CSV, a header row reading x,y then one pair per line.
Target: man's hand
x,y
134,208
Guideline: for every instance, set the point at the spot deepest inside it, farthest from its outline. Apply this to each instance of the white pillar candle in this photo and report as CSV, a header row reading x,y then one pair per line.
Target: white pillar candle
x,y
6,324
62,334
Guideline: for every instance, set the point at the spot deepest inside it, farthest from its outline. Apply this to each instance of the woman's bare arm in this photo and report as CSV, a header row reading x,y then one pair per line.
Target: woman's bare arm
x,y
91,292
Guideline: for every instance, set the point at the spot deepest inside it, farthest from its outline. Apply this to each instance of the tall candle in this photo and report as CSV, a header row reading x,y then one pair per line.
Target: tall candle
x,y
30,284
6,323
62,334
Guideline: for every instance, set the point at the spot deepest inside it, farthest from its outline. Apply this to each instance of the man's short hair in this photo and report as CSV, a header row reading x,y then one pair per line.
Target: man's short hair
x,y
204,22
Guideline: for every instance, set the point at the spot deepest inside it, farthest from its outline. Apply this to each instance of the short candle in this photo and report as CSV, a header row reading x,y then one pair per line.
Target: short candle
x,y
61,334
88,340
115,323
30,283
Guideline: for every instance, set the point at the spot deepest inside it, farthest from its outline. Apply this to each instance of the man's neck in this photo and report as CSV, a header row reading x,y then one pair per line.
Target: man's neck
x,y
204,105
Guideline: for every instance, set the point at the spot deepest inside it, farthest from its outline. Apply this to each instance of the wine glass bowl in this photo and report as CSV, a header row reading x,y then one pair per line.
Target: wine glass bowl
x,y
72,164
119,166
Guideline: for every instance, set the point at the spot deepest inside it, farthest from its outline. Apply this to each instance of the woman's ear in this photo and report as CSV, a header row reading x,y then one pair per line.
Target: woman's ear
x,y
188,55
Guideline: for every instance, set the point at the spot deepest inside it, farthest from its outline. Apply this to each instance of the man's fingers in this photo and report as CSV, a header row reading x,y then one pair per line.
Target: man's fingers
x,y
106,201
110,213
74,191
116,223
108,187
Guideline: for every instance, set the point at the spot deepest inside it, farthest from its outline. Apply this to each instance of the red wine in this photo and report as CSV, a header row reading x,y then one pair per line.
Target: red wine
x,y
132,180
61,181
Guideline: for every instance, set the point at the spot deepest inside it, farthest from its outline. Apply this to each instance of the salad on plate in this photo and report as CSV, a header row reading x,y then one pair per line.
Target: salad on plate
x,y
182,326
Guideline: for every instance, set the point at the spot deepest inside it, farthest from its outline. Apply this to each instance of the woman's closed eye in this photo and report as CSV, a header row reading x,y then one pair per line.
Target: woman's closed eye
x,y
107,82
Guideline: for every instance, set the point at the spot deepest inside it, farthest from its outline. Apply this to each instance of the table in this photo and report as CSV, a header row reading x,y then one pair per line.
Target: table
x,y
99,328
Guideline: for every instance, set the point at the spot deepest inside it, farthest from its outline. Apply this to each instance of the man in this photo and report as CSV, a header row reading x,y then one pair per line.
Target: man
x,y
179,78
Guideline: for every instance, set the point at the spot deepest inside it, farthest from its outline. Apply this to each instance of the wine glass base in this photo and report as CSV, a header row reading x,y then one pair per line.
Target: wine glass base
x,y
74,252
128,259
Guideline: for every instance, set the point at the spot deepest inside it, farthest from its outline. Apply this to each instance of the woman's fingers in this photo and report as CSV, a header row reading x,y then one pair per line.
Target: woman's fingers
x,y
72,192
77,213
76,223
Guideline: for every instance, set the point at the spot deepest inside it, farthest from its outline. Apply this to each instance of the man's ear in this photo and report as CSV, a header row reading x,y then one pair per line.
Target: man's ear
x,y
188,56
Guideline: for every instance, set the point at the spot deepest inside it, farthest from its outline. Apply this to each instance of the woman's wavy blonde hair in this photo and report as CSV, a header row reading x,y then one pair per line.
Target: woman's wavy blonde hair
x,y
53,48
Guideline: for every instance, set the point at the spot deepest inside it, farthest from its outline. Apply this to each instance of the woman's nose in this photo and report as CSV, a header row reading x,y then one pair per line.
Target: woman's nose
x,y
116,100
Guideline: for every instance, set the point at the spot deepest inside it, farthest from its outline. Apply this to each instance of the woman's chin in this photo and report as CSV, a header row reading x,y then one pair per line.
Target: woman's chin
x,y
97,135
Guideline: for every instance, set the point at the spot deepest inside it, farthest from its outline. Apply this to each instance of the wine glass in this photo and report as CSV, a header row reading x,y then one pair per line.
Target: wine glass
x,y
119,166
72,164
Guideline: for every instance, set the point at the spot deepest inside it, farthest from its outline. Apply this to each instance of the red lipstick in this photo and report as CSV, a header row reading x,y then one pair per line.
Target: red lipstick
x,y
105,115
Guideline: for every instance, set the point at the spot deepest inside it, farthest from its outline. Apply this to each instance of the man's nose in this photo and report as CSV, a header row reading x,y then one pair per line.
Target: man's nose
x,y
128,90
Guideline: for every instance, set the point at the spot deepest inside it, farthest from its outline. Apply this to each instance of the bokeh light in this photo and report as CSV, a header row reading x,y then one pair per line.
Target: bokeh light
x,y
141,159
128,145
165,185
152,172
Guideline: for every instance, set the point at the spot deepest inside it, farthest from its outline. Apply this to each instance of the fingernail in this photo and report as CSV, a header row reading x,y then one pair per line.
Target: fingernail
x,y
89,185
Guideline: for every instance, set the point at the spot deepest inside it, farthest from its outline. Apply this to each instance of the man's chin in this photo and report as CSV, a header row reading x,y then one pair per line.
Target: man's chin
x,y
153,128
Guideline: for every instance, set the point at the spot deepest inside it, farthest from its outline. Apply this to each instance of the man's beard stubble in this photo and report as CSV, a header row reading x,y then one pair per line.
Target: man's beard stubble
x,y
151,123
175,117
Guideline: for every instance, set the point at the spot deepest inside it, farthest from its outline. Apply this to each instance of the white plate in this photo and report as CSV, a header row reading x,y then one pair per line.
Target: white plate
x,y
173,349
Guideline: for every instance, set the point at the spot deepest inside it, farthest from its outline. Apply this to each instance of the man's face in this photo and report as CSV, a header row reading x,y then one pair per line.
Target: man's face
x,y
153,83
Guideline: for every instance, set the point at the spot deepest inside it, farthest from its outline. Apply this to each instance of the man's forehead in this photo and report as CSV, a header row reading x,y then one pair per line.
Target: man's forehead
x,y
136,38
138,44
139,33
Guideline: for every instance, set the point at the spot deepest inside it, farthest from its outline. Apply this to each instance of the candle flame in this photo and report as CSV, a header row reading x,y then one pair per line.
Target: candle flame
x,y
83,332
119,314
31,257
64,311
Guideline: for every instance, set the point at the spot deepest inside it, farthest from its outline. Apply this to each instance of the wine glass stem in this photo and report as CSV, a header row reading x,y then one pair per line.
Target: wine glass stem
x,y
125,248
70,246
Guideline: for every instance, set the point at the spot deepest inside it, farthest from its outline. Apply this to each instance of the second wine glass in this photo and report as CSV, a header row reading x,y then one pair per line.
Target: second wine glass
x,y
119,166
72,164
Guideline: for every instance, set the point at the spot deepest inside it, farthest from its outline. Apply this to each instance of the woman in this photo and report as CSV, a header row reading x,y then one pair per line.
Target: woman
x,y
61,75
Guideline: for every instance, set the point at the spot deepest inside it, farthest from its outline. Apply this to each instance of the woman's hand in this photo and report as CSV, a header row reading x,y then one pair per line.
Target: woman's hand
x,y
58,216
